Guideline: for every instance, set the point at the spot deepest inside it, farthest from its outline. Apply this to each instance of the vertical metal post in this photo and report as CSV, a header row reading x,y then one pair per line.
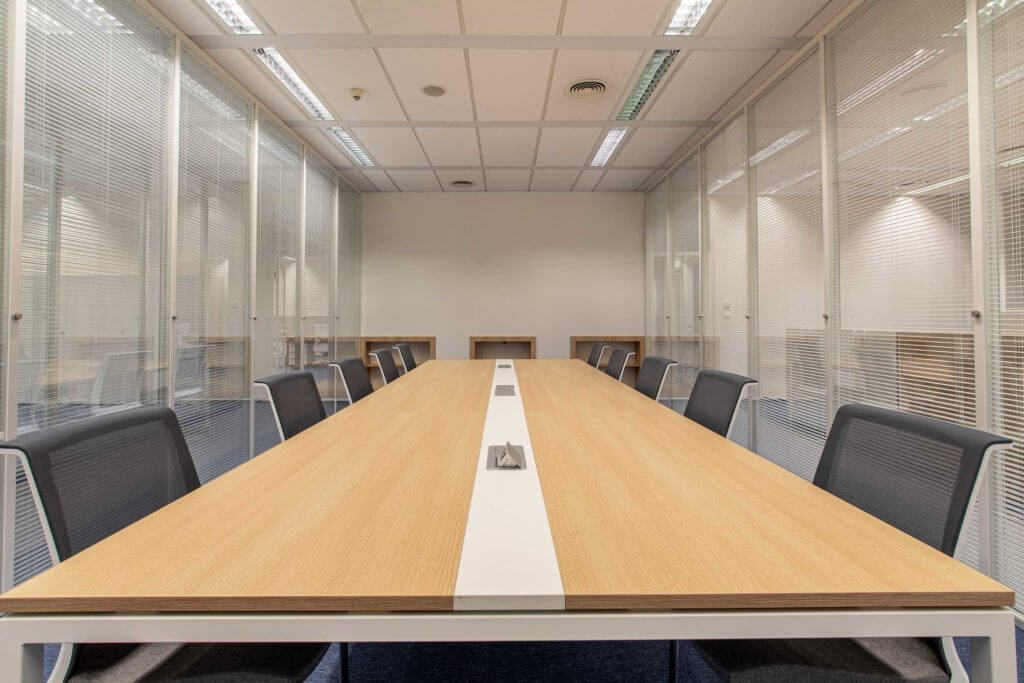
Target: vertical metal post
x,y
254,165
300,268
753,360
173,153
14,162
332,296
706,307
830,245
979,126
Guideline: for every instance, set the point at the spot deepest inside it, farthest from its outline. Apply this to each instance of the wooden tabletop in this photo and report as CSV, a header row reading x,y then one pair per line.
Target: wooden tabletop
x,y
367,511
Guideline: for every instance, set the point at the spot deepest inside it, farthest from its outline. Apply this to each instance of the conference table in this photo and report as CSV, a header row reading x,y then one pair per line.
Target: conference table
x,y
386,522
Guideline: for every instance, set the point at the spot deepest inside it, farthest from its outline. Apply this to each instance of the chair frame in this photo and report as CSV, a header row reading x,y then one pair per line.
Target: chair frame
x,y
405,368
376,354
337,369
625,364
664,376
273,407
604,347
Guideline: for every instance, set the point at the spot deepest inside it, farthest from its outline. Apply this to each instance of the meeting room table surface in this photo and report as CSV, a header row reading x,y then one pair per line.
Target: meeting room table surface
x,y
642,517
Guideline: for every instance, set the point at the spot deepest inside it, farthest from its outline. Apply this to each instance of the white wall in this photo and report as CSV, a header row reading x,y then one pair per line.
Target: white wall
x,y
454,265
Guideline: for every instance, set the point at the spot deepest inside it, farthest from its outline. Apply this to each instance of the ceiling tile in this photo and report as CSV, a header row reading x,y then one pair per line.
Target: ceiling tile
x,y
566,146
415,181
821,19
450,146
508,180
553,180
391,146
743,18
413,68
358,181
651,146
588,180
508,146
259,81
613,17
703,82
402,16
335,72
509,85
317,16
381,181
189,17
619,180
519,18
614,67
476,177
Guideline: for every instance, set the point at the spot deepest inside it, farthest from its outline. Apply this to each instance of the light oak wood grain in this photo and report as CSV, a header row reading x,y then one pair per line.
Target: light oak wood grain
x,y
364,511
650,510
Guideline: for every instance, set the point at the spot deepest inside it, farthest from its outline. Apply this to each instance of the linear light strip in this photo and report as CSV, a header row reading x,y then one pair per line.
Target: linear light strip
x,y
687,16
608,145
234,16
938,185
342,137
652,74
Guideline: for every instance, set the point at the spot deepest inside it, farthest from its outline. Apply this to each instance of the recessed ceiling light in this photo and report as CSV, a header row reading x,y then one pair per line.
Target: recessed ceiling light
x,y
687,16
341,136
608,145
645,85
433,90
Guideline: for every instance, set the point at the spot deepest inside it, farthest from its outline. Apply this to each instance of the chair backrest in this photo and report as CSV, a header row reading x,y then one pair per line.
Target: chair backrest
x,y
652,374
189,370
93,477
386,363
295,400
355,377
617,363
916,473
596,351
715,399
118,380
405,353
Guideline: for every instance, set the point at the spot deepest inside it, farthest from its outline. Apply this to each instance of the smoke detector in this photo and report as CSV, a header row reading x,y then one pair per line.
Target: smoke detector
x,y
586,88
433,90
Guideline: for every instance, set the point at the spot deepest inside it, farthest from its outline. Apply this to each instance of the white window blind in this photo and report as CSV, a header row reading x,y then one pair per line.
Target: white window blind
x,y
726,298
684,277
276,330
792,410
93,253
1002,57
902,246
3,225
321,205
212,381
347,326
656,343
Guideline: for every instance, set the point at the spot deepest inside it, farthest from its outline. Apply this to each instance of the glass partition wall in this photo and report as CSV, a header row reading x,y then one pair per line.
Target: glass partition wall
x,y
169,245
832,240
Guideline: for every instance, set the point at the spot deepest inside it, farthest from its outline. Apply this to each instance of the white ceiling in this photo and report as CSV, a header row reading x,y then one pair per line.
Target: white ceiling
x,y
505,122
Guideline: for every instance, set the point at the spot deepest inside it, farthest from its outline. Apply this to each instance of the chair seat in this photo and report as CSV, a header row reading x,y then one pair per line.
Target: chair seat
x,y
862,660
206,662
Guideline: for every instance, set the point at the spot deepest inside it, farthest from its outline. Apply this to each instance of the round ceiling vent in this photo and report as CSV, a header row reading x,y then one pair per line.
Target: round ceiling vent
x,y
589,87
433,90
462,184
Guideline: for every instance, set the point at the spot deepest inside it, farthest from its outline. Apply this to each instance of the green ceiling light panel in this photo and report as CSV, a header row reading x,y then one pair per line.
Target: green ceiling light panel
x,y
645,85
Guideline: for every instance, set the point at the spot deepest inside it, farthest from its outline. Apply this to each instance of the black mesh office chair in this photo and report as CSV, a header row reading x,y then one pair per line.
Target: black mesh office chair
x,y
596,351
295,400
617,363
651,377
98,475
405,353
919,475
715,399
386,363
355,377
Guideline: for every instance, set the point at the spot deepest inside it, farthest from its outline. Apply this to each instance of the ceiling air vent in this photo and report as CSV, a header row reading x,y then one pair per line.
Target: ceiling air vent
x,y
590,87
462,183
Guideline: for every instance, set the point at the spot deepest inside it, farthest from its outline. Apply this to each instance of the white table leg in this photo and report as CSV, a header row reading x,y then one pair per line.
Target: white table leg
x,y
19,662
994,657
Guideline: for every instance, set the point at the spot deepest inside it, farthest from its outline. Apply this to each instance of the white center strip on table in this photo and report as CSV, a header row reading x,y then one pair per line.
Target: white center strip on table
x,y
508,558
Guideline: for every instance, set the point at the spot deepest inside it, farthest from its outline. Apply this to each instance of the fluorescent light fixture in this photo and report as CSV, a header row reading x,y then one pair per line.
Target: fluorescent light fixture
x,y
780,144
645,85
789,182
687,16
608,145
234,16
341,136
874,141
724,179
938,185
40,20
940,109
280,67
1010,163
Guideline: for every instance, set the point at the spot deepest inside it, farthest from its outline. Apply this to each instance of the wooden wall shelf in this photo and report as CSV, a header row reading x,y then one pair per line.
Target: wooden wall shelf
x,y
579,347
423,348
503,347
